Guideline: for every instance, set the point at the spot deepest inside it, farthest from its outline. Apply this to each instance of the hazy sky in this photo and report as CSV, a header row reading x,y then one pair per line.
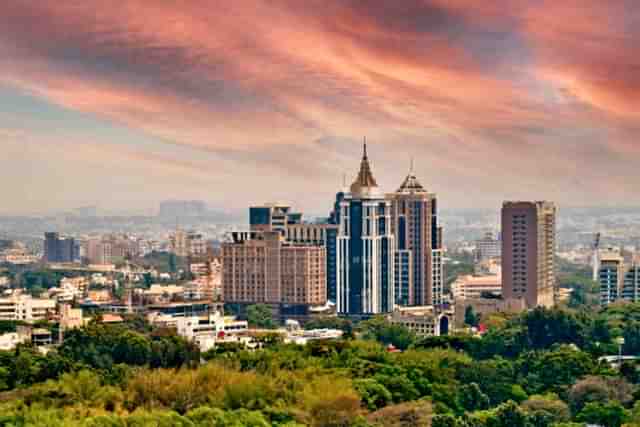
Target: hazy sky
x,y
124,103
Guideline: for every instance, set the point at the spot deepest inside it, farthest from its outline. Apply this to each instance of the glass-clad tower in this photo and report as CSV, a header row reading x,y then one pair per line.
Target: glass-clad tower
x,y
365,247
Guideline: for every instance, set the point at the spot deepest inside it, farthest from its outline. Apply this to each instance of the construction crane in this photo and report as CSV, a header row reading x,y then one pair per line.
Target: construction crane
x,y
596,257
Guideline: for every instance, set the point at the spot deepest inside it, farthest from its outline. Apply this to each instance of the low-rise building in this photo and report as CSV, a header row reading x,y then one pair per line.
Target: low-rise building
x,y
26,308
10,340
422,320
472,286
206,331
36,336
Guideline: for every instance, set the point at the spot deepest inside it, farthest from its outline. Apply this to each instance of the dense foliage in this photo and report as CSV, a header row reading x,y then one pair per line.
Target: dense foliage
x,y
540,369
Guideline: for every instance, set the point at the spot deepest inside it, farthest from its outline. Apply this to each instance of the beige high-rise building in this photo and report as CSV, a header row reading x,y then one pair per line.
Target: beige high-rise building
x,y
187,244
261,267
528,252
418,258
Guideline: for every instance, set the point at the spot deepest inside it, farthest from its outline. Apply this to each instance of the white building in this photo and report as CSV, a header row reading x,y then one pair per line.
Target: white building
x,y
206,331
26,308
472,287
423,321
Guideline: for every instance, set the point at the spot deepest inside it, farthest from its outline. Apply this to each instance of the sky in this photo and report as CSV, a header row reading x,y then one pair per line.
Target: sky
x,y
123,104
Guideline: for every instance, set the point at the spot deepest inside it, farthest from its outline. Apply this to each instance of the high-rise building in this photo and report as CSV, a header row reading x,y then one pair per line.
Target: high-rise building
x,y
611,277
110,249
319,235
619,280
262,267
528,252
366,246
272,217
418,256
488,247
187,244
59,249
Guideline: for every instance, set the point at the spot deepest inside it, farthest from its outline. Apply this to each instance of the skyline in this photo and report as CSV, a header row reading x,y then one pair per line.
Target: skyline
x,y
150,101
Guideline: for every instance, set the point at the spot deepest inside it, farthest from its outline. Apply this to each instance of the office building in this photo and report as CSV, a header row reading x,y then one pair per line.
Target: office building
x,y
279,217
488,247
619,280
262,267
59,249
418,238
325,235
110,249
473,287
187,244
272,217
528,252
365,249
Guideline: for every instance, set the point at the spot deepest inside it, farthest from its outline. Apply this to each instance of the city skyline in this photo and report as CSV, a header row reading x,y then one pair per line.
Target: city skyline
x,y
128,106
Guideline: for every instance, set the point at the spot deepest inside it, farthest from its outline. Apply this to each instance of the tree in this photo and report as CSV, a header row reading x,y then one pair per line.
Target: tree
x,y
259,316
470,317
631,333
471,398
545,410
509,414
381,330
610,414
373,394
594,389
552,370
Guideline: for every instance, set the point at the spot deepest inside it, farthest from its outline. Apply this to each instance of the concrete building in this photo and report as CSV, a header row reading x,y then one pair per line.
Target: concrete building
x,y
272,217
325,235
365,249
18,256
187,244
26,308
110,249
528,252
619,280
488,247
418,257
472,287
59,249
262,267
423,321
206,331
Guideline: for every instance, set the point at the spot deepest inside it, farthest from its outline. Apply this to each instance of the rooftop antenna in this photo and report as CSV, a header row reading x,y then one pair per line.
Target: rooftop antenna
x,y
411,166
344,179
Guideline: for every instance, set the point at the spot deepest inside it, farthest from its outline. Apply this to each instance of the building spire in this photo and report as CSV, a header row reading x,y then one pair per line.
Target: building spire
x,y
411,166
364,156
365,177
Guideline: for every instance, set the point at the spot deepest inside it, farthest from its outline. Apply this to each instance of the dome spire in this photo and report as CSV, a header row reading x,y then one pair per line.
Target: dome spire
x,y
365,179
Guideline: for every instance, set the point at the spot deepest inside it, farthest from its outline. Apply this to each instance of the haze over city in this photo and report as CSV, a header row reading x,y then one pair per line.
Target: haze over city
x,y
225,101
